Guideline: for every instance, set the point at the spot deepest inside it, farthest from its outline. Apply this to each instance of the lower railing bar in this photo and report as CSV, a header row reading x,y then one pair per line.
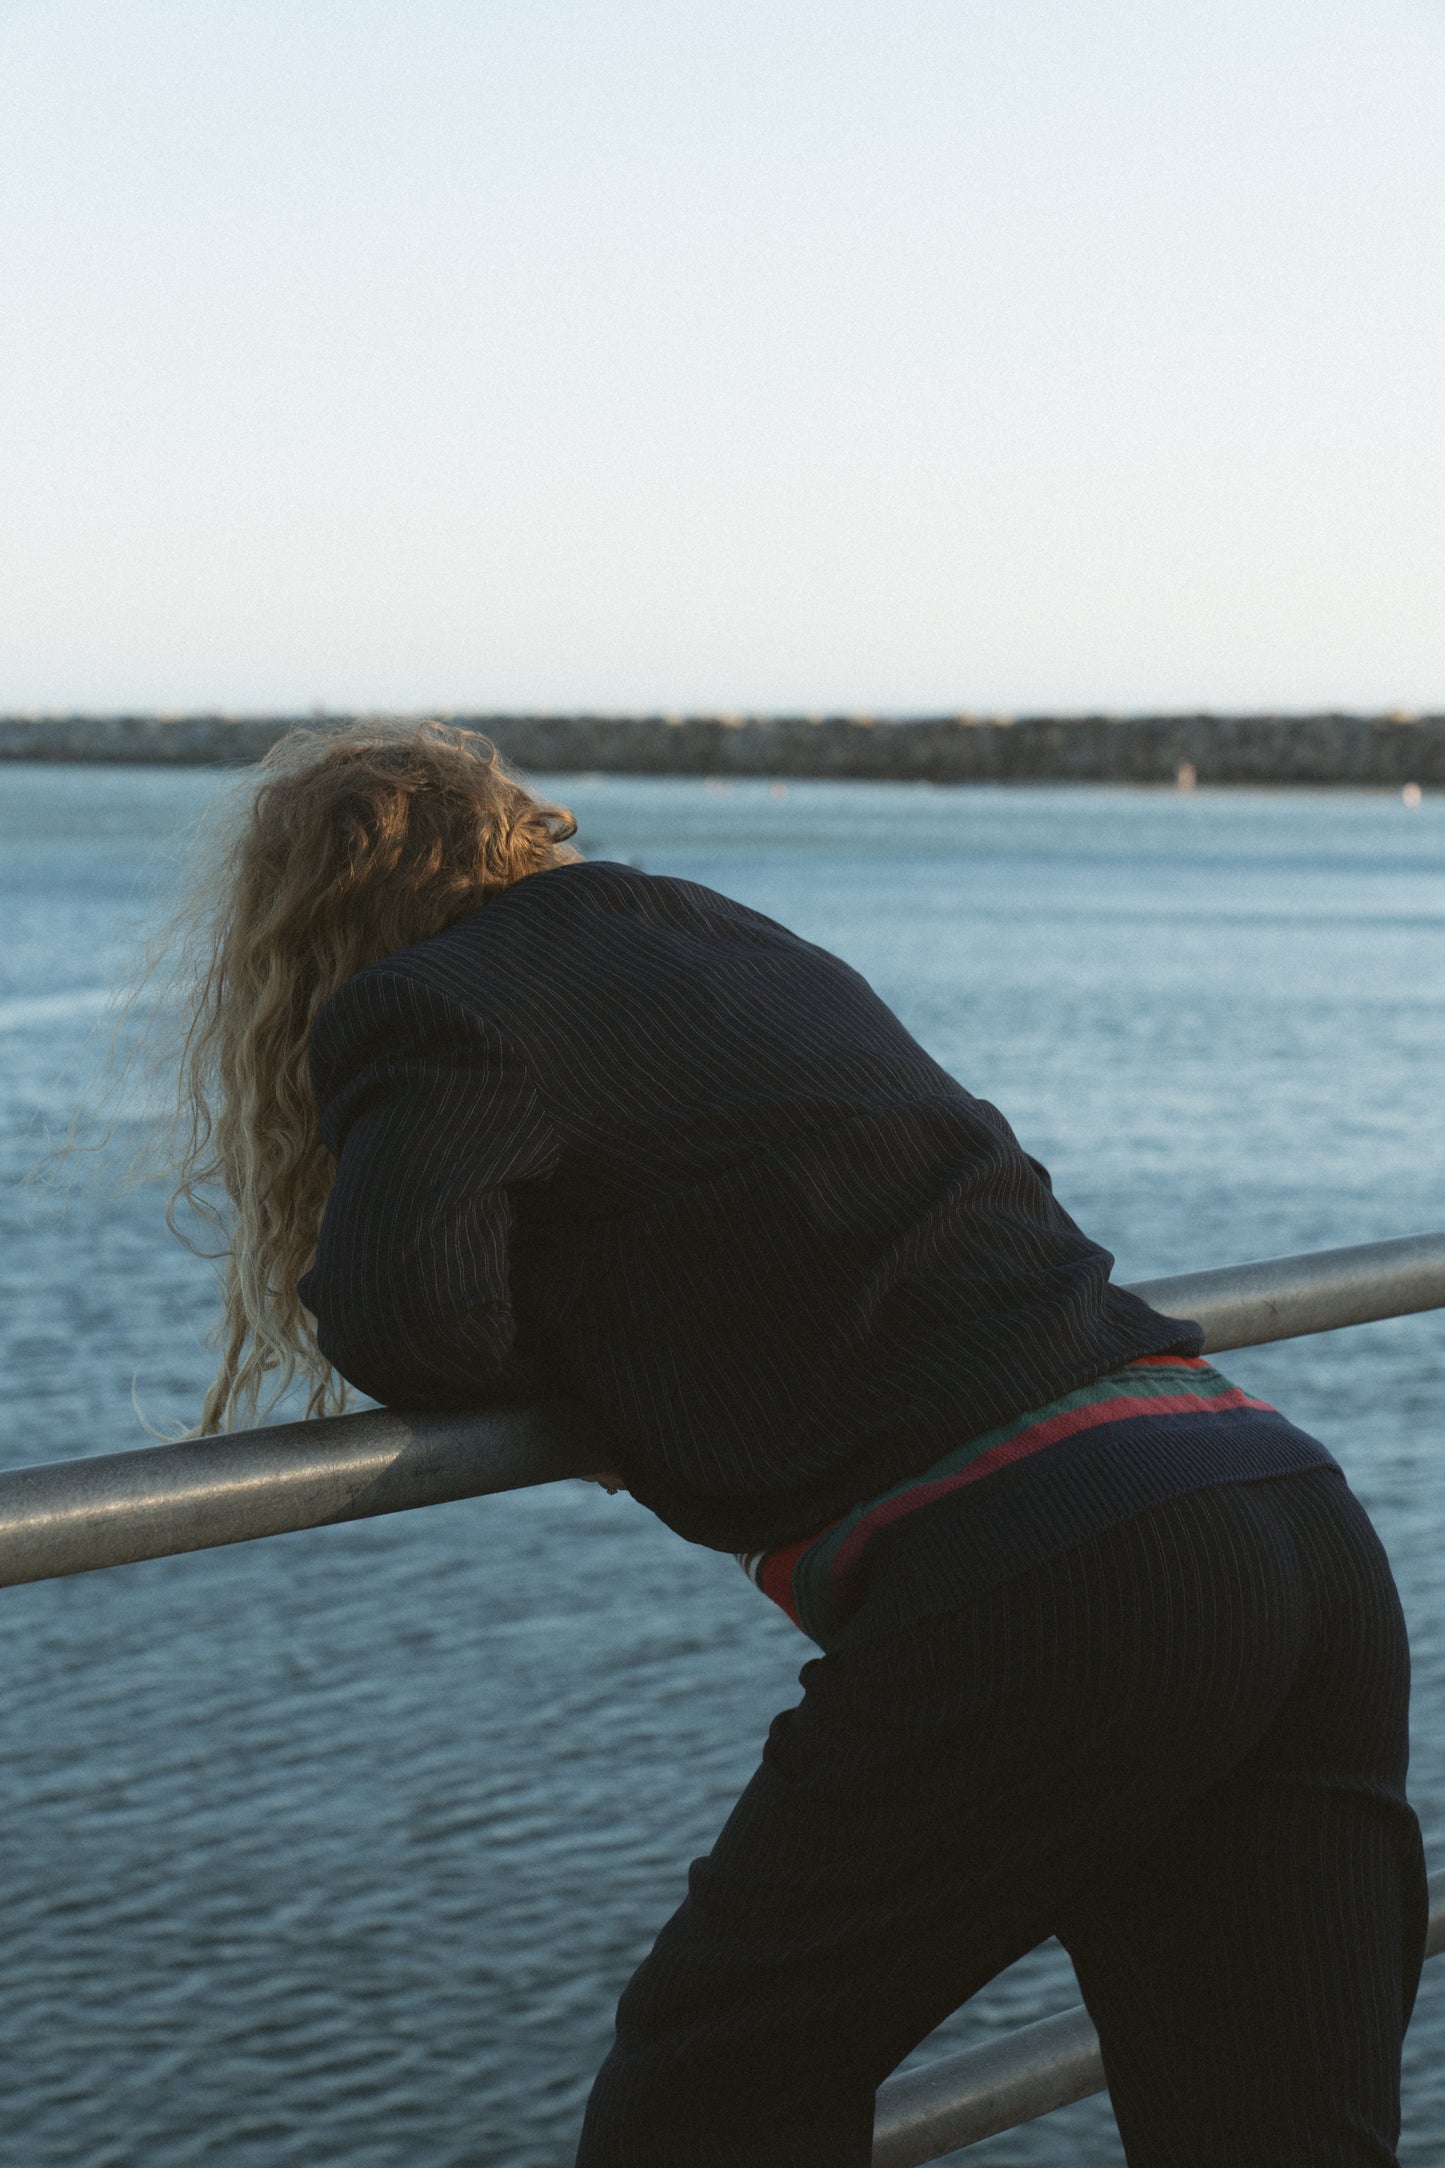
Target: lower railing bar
x,y
75,1516
962,2099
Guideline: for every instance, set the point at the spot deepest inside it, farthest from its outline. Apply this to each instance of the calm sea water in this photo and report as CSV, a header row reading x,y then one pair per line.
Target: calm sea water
x,y
337,1849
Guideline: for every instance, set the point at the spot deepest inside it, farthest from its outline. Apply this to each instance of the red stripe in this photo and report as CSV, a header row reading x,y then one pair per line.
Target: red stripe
x,y
1033,1440
775,1575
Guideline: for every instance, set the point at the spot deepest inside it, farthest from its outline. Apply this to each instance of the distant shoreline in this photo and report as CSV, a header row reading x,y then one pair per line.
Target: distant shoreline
x,y
1384,751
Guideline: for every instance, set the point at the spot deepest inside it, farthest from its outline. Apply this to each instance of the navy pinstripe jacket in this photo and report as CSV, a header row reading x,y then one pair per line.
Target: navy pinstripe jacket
x,y
620,1138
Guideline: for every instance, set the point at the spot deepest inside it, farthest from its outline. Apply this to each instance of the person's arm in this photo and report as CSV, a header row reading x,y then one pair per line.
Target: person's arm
x,y
433,1120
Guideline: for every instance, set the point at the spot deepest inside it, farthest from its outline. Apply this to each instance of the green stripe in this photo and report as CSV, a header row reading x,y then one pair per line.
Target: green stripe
x,y
1154,1381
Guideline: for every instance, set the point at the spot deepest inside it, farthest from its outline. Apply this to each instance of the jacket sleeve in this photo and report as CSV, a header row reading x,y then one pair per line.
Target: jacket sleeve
x,y
433,1121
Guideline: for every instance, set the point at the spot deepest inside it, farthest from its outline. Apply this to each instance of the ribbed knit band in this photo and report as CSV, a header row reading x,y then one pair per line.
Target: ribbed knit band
x,y
1158,1426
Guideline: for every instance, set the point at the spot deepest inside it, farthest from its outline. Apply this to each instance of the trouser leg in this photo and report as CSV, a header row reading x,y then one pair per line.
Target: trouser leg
x,y
1252,1974
799,1970
937,1803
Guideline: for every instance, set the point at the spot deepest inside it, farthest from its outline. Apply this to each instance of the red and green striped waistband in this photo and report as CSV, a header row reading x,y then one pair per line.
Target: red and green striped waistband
x,y
814,1579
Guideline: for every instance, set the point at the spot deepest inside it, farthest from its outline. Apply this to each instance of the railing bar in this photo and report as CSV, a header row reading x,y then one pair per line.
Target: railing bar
x,y
77,1516
962,2099
1286,1298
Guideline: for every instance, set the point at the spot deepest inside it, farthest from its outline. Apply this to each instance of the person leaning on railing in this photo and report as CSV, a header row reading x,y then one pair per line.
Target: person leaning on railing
x,y
1108,1649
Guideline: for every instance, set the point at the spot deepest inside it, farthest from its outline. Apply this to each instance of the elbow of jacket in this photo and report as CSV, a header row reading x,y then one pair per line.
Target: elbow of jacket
x,y
357,1357
416,1363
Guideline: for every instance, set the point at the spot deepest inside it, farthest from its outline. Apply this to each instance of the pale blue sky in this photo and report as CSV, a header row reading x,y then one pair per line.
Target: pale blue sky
x,y
926,354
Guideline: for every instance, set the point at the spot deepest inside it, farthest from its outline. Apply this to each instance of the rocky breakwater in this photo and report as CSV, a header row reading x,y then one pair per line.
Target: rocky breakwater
x,y
1363,750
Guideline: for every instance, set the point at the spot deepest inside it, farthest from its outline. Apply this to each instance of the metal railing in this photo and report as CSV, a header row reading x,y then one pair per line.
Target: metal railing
x,y
77,1516
74,1516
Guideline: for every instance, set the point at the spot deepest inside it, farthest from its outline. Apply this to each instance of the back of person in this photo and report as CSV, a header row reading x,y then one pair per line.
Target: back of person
x,y
782,1253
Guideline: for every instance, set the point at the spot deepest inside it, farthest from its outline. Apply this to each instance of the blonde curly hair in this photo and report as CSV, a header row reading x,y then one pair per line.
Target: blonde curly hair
x,y
353,843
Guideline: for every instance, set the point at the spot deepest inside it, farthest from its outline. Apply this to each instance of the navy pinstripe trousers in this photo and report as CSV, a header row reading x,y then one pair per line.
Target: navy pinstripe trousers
x,y
1180,1746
